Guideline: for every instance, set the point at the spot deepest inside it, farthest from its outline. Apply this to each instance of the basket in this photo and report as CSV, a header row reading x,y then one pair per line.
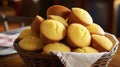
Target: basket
x,y
36,59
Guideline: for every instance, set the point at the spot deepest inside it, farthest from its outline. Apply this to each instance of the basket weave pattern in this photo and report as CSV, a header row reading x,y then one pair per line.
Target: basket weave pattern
x,y
36,59
105,59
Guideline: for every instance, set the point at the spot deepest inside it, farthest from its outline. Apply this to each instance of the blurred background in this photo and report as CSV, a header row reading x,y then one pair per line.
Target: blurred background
x,y
106,13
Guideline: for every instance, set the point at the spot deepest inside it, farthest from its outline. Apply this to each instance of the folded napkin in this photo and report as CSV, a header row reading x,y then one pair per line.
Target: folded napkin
x,y
7,40
73,59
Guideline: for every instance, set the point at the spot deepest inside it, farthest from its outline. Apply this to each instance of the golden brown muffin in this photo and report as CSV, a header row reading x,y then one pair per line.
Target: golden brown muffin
x,y
27,32
52,31
58,18
101,43
35,26
58,10
95,29
79,15
86,50
31,43
56,47
78,35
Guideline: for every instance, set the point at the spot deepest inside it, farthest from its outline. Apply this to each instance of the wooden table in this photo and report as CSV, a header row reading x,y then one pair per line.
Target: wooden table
x,y
15,60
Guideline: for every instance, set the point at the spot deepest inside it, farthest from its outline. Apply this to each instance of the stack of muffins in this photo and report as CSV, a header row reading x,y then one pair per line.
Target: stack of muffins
x,y
64,30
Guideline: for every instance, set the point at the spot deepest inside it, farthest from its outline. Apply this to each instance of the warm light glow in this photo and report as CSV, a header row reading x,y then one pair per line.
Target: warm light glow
x,y
17,0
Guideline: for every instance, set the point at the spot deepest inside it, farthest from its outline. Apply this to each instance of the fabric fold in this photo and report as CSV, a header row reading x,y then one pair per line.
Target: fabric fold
x,y
72,59
7,40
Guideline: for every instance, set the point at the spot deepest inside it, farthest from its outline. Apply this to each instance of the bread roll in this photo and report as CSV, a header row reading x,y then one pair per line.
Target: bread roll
x,y
35,26
31,43
79,15
78,35
58,18
101,43
95,29
56,47
58,10
27,32
52,31
86,50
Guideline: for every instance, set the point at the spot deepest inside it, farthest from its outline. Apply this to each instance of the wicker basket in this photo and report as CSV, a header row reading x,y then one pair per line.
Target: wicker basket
x,y
36,59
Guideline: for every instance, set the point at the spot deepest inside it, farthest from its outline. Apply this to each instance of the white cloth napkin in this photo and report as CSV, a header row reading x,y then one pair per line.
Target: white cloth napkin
x,y
72,59
7,40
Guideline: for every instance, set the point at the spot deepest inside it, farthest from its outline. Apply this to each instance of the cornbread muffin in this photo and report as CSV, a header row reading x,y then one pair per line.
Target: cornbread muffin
x,y
35,26
52,31
31,43
58,18
95,29
58,10
79,15
86,50
101,43
56,47
78,35
27,32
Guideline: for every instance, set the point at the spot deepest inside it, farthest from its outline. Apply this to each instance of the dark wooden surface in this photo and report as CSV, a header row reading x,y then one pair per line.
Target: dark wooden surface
x,y
15,60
